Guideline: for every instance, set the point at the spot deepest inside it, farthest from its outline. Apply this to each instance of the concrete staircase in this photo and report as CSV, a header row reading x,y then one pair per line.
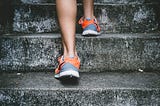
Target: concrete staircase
x,y
119,68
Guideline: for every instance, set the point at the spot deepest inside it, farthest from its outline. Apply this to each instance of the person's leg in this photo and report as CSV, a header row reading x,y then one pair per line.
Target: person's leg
x,y
88,21
88,7
66,11
68,63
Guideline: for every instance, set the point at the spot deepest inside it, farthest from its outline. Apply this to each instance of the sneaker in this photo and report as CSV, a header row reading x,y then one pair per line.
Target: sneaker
x,y
68,67
90,26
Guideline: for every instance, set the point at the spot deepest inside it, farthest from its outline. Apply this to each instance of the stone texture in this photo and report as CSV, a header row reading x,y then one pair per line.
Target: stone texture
x,y
35,19
6,16
112,18
127,18
115,16
96,1
21,53
126,1
108,52
93,89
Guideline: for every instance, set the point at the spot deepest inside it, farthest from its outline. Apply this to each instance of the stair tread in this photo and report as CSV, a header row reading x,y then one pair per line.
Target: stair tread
x,y
88,81
57,35
96,4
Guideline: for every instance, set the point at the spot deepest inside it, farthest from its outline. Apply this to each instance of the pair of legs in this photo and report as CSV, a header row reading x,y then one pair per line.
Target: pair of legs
x,y
69,63
67,11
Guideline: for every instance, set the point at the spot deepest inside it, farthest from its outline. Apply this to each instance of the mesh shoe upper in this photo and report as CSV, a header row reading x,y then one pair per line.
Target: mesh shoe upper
x,y
66,63
89,24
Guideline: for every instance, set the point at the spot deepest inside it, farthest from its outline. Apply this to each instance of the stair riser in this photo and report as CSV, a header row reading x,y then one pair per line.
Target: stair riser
x,y
80,97
112,18
112,53
115,19
96,1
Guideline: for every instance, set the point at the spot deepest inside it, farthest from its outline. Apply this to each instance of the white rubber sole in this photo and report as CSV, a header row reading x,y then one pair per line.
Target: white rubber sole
x,y
68,73
90,32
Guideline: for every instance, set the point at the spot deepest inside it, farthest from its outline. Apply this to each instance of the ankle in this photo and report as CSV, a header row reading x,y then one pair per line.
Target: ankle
x,y
69,55
89,17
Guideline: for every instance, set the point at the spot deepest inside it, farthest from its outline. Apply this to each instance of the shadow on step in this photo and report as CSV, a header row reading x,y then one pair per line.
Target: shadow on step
x,y
67,81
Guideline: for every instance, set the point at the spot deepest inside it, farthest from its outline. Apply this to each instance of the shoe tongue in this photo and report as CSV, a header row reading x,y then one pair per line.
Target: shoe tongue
x,y
71,56
88,19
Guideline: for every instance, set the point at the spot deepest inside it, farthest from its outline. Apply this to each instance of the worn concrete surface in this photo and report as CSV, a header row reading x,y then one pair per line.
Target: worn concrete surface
x,y
112,18
6,16
93,89
111,52
96,1
115,16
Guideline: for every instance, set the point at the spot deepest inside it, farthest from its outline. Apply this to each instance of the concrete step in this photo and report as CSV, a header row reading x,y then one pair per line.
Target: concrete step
x,y
124,16
93,89
95,1
108,52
